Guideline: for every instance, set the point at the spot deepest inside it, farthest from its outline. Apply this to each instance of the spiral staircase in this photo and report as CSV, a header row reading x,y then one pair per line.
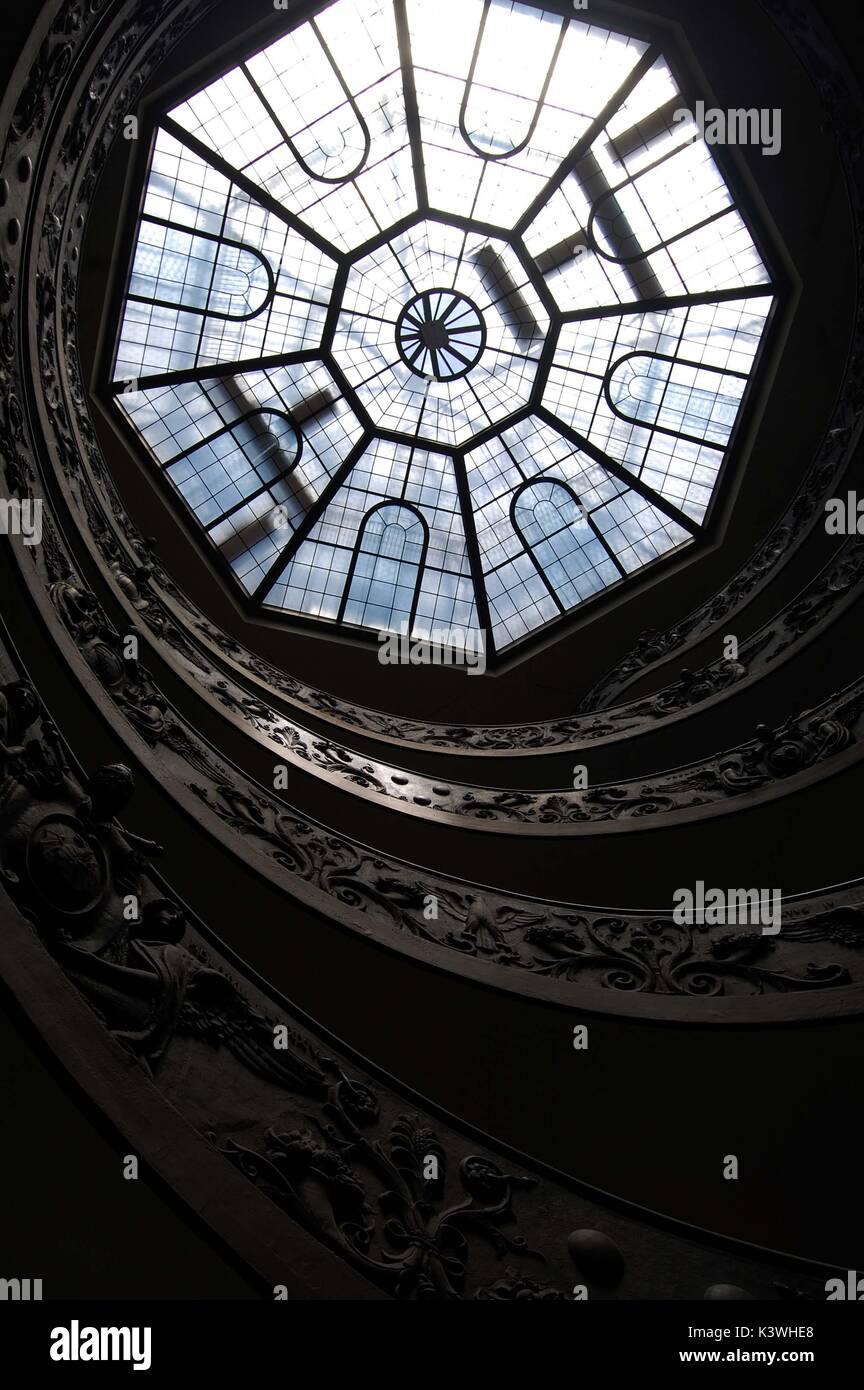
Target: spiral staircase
x,y
534,1085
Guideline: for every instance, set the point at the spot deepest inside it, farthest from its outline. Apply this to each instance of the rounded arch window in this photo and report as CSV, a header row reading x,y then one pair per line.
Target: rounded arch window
x,y
512,66
199,273
236,463
676,396
566,548
386,567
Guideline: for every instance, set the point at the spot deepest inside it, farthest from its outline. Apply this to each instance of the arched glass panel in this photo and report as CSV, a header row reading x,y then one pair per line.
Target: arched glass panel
x,y
309,101
513,63
543,509
566,549
197,272
386,568
676,396
237,463
669,200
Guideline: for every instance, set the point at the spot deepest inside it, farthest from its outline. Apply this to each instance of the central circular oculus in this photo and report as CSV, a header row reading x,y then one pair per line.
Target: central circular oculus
x,y
440,334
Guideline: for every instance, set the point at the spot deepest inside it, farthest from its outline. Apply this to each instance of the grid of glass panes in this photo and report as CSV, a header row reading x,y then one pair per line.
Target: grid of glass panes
x,y
678,447
314,580
433,256
235,451
612,531
266,178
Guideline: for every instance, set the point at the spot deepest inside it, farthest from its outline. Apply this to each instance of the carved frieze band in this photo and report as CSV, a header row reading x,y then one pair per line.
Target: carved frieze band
x,y
623,953
564,943
416,1206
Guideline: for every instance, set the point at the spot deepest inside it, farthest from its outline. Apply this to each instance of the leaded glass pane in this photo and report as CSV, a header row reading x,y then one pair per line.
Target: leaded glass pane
x,y
439,315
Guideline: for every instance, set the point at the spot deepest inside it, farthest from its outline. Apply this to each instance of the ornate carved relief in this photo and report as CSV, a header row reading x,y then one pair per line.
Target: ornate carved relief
x,y
409,1201
302,854
773,758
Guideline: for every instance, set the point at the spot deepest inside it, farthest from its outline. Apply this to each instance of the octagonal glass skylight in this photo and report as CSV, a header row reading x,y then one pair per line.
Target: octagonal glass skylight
x,y
440,317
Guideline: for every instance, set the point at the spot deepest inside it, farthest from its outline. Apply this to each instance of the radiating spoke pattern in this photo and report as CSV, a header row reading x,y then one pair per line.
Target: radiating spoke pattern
x,y
440,315
440,334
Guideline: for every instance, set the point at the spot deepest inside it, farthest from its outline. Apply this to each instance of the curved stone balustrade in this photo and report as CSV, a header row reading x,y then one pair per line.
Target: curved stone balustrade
x,y
183,1052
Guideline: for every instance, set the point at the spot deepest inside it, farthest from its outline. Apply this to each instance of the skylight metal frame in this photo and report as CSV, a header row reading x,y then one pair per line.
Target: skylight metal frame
x,y
253,604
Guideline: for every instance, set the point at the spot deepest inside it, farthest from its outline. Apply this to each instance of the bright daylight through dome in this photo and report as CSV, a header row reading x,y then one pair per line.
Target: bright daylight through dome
x,y
440,317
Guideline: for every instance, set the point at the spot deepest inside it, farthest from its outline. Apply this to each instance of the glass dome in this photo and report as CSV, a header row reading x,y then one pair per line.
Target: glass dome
x,y
440,317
